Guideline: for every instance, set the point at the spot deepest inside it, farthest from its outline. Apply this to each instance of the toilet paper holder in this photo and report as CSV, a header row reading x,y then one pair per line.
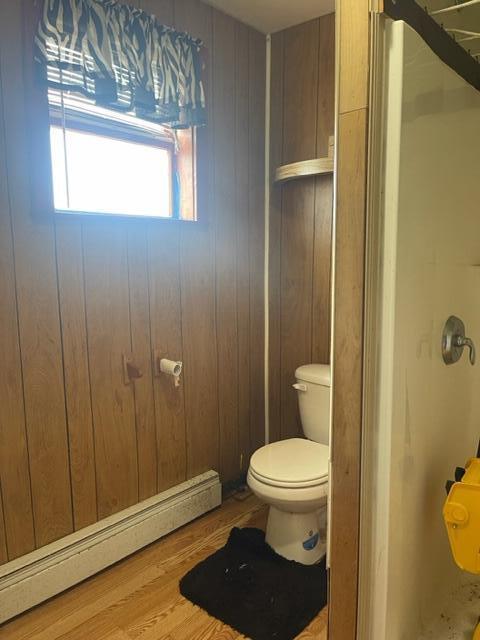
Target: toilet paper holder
x,y
164,366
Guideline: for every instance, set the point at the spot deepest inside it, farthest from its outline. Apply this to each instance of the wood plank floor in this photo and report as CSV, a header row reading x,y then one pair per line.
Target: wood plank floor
x,y
138,598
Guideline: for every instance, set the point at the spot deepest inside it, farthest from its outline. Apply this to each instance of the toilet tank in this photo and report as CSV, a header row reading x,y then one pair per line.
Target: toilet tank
x,y
313,388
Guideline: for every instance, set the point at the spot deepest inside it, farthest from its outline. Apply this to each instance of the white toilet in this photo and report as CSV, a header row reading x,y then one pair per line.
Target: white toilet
x,y
292,475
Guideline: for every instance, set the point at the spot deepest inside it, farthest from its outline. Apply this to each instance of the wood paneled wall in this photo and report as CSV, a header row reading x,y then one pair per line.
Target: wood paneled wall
x,y
348,348
302,119
76,443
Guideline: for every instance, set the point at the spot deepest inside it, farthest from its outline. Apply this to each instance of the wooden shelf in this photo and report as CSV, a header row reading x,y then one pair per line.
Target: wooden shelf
x,y
315,167
296,170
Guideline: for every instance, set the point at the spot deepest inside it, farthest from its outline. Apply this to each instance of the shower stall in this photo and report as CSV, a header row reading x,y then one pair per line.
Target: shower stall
x,y
422,416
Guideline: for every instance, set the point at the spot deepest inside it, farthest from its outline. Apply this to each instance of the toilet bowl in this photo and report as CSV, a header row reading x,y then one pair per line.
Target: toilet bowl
x,y
291,476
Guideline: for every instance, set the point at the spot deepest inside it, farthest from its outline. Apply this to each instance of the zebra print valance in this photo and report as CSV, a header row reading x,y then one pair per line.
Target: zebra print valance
x,y
123,58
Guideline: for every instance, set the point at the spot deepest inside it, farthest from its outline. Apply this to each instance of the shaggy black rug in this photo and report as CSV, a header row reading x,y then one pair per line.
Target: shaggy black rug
x,y
254,590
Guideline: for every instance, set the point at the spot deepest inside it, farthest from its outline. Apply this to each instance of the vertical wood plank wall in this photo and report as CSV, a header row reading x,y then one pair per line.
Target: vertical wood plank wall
x,y
302,119
76,443
352,123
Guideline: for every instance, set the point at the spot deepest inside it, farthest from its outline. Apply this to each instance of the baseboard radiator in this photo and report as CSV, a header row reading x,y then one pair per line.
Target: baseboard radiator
x,y
33,578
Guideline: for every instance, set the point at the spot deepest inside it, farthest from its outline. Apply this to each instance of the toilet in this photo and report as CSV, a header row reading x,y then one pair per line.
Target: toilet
x,y
291,476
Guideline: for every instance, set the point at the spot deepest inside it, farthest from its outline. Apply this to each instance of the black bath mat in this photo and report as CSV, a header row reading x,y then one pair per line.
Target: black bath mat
x,y
254,590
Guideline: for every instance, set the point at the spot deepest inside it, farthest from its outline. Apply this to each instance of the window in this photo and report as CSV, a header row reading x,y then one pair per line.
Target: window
x,y
111,163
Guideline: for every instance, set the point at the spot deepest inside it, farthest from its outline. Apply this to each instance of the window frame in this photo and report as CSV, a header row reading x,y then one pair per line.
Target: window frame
x,y
73,119
194,158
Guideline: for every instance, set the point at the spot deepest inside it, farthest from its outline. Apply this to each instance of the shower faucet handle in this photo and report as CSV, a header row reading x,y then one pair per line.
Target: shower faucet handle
x,y
461,342
454,341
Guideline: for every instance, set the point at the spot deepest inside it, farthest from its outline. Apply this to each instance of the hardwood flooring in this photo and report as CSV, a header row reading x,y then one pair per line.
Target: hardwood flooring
x,y
138,598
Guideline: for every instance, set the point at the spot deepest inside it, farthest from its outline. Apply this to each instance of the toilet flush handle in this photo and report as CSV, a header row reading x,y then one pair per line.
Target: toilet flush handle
x,y
299,387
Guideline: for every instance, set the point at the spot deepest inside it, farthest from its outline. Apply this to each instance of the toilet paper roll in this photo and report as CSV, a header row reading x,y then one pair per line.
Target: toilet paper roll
x,y
171,367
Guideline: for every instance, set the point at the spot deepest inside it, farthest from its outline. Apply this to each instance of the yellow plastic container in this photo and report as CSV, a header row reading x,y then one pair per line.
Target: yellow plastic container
x,y
461,513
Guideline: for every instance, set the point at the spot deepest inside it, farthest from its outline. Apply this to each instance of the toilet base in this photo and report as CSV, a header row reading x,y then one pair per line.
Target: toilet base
x,y
298,536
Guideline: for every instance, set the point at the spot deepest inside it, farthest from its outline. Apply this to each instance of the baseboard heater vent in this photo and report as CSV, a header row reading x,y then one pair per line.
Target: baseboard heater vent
x,y
33,578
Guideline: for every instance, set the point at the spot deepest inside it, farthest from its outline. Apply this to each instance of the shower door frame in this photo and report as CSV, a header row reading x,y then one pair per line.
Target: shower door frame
x,y
355,41
373,578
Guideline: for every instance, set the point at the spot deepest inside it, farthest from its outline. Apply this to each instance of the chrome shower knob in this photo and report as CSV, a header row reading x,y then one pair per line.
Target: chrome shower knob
x,y
461,342
454,341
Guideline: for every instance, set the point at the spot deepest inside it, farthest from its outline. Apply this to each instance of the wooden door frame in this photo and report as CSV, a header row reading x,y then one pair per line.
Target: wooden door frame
x,y
357,583
354,41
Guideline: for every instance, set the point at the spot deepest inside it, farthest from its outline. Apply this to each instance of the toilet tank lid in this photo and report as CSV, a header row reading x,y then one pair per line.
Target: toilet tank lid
x,y
315,373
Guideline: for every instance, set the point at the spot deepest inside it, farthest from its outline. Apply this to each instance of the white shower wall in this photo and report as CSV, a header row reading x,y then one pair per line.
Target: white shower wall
x,y
428,413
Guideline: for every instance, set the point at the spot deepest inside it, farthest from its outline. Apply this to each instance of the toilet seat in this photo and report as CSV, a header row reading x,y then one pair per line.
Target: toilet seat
x,y
292,464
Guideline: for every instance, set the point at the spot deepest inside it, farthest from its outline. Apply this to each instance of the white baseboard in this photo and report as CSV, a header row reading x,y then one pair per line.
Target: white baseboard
x,y
33,578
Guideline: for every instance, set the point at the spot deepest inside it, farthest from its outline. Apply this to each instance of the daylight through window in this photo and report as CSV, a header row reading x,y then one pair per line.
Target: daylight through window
x,y
107,162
